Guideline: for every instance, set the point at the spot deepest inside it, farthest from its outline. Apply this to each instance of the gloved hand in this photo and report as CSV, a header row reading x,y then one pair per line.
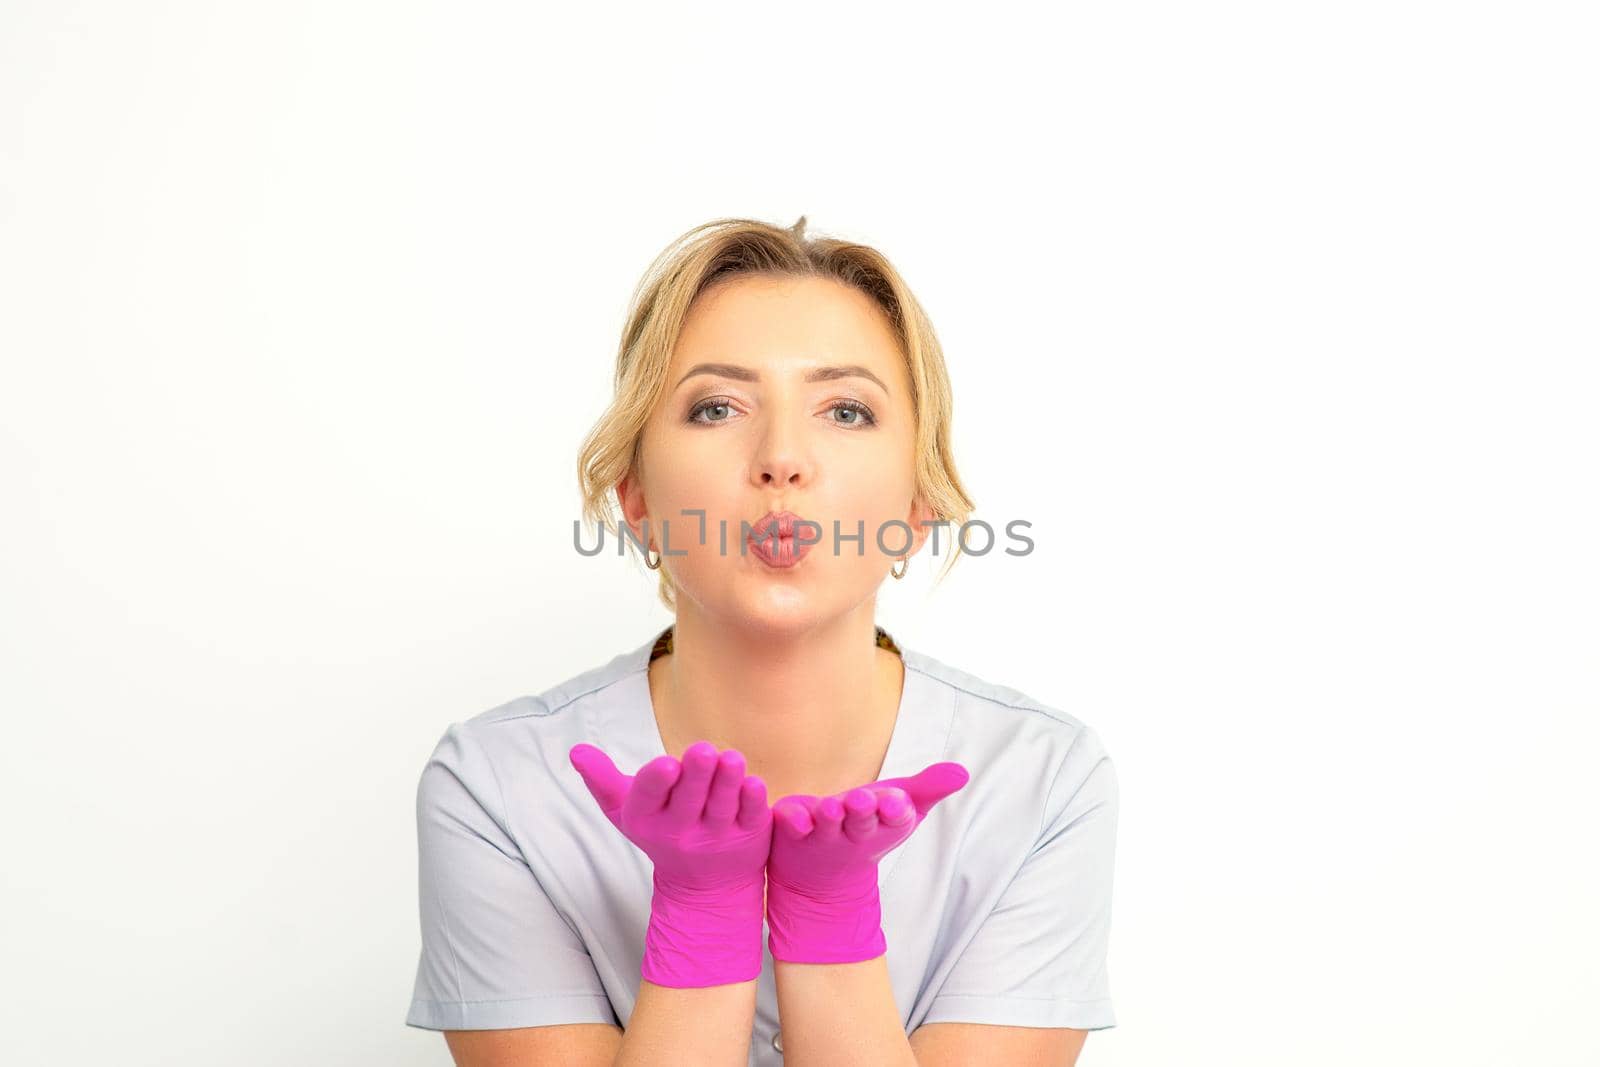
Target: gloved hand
x,y
822,876
707,829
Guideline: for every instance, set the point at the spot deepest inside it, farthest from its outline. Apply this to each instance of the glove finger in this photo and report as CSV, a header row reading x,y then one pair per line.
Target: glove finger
x,y
860,814
828,815
722,802
688,799
895,807
792,818
651,786
753,810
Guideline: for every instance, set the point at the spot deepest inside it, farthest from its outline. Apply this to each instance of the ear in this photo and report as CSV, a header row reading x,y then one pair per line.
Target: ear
x,y
918,514
630,499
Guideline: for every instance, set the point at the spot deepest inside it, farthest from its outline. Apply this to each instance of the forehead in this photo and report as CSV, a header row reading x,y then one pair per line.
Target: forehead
x,y
764,320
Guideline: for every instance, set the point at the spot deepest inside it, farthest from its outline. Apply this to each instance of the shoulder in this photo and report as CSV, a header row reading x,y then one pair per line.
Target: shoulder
x,y
1002,709
537,729
1031,747
596,684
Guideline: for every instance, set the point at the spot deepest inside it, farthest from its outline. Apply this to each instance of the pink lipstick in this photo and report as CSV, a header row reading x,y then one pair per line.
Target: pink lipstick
x,y
772,539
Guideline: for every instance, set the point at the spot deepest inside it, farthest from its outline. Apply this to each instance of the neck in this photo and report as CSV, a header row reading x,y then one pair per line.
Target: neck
x,y
812,711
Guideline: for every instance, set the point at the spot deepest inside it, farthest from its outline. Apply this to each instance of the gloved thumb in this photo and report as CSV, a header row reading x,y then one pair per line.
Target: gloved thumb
x,y
929,786
606,784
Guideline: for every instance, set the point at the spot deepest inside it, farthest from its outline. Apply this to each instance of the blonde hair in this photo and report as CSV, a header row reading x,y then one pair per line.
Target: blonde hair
x,y
713,252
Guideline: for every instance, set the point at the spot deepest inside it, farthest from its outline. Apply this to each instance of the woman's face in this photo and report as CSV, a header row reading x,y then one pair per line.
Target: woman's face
x,y
783,394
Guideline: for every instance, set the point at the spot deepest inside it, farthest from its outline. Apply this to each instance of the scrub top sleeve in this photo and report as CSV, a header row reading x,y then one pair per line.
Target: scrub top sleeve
x,y
1039,959
496,953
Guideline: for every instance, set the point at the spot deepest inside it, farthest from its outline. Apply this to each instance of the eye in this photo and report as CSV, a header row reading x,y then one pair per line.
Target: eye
x,y
862,414
720,409
720,404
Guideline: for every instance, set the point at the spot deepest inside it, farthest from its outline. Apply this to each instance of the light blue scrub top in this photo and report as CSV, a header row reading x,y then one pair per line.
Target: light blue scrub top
x,y
534,907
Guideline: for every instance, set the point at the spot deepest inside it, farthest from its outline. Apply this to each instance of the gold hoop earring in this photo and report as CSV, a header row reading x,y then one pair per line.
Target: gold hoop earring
x,y
905,563
657,564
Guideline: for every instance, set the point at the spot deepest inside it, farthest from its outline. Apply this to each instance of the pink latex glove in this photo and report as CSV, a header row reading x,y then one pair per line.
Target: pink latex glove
x,y
707,829
822,876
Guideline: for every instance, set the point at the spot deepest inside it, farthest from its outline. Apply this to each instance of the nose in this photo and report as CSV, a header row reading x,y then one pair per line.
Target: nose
x,y
781,461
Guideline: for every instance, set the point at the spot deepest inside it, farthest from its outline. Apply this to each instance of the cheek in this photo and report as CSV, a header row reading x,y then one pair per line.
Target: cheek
x,y
876,501
693,497
683,467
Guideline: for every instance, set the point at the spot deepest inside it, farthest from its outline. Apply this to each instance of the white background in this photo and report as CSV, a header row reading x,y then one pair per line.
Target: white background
x,y
1278,322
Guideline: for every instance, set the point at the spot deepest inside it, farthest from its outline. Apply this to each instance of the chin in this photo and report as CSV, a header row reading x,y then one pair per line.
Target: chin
x,y
776,609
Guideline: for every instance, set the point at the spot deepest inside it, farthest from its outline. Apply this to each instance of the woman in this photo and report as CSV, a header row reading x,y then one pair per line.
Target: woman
x,y
779,440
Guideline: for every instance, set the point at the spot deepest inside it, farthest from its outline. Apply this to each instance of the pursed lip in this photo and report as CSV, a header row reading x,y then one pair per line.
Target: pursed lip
x,y
782,550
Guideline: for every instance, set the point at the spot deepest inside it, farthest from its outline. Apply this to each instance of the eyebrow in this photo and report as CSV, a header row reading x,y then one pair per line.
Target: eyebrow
x,y
819,374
